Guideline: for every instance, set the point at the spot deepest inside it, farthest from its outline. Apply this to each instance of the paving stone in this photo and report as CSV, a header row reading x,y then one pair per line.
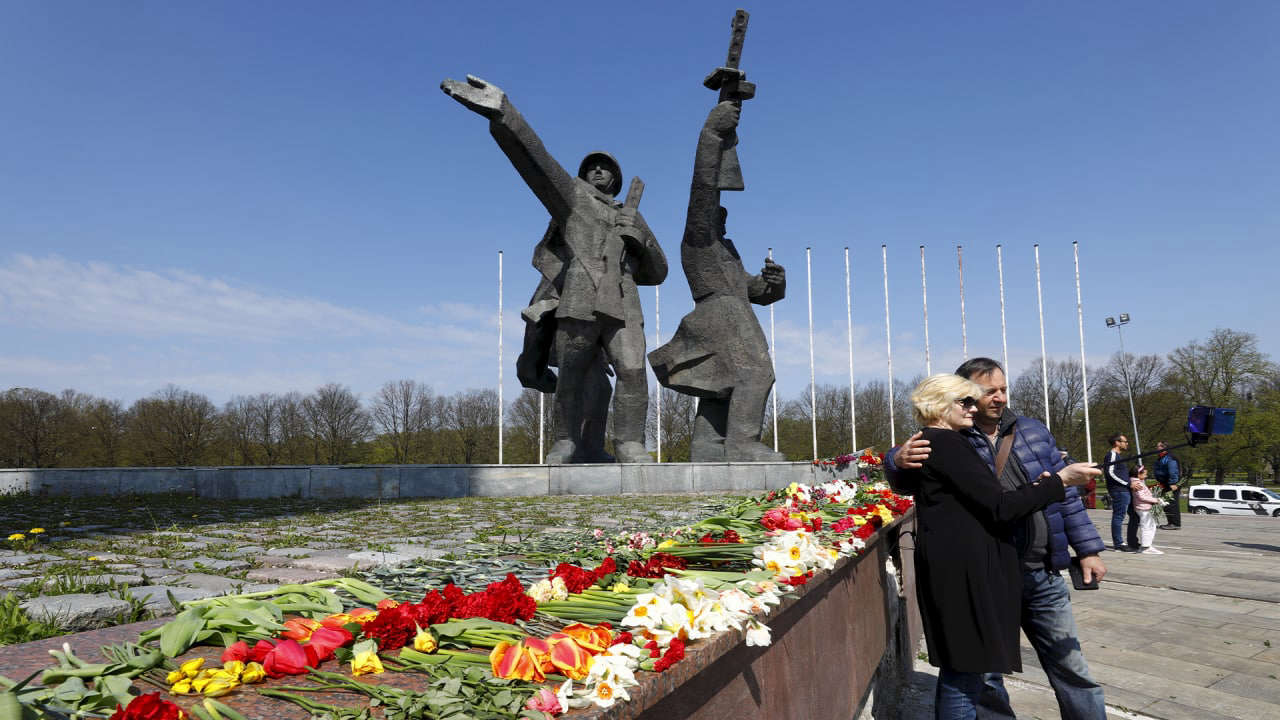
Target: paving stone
x,y
284,574
81,611
27,559
249,550
399,557
292,552
194,545
11,573
208,563
158,602
218,584
333,562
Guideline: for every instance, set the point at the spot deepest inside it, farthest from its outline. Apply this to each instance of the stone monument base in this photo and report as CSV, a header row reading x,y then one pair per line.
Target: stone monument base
x,y
390,482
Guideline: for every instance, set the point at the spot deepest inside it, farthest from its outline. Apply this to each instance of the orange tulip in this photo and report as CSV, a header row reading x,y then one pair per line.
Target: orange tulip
x,y
569,657
299,629
540,652
595,638
514,662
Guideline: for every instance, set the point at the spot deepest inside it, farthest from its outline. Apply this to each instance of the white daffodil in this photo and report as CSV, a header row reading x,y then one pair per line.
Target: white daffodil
x,y
758,634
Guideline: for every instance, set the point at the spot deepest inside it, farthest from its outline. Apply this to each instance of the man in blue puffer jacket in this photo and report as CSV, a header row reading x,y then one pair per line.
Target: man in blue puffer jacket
x,y
1047,619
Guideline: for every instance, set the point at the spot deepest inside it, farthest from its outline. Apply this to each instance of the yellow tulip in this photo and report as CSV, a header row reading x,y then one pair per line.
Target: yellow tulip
x,y
424,641
191,668
233,668
174,677
253,673
220,686
17,537
666,544
36,531
182,687
201,681
366,662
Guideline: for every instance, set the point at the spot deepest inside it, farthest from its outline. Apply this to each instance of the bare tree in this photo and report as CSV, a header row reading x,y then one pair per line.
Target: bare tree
x,y
521,438
402,411
237,427
35,426
173,427
678,412
107,425
337,423
294,440
472,422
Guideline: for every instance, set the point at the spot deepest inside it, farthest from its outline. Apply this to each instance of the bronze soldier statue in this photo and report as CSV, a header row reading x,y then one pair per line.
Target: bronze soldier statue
x,y
593,255
719,353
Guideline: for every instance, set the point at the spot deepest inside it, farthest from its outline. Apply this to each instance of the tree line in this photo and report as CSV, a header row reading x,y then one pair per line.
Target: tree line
x,y
405,421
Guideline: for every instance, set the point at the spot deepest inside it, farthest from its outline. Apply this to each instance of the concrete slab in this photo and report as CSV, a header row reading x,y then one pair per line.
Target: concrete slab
x,y
585,479
657,478
433,481
507,480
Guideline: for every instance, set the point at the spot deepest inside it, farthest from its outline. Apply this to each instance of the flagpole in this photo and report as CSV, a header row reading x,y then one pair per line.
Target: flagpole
x,y
848,317
1084,374
657,342
1044,360
888,340
924,294
813,395
500,357
1004,340
964,331
773,362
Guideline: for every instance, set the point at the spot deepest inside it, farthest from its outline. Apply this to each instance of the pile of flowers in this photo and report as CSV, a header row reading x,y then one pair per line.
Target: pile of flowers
x,y
546,648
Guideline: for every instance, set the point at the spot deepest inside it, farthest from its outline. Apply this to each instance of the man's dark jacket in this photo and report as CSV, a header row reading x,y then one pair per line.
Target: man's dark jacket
x,y
1036,450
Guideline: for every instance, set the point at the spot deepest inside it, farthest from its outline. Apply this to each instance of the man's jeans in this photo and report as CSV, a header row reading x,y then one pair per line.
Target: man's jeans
x,y
1120,499
1051,628
956,696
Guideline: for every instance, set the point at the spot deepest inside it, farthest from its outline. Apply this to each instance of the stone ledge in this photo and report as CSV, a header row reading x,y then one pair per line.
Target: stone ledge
x,y
390,482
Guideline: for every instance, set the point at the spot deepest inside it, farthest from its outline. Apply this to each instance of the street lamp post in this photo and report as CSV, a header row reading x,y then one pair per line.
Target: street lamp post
x,y
1124,368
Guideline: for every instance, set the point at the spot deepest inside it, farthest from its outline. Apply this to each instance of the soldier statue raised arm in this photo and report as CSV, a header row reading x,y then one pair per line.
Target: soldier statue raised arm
x,y
719,353
593,255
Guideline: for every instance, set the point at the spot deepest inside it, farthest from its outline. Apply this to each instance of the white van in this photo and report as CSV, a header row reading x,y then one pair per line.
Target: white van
x,y
1233,500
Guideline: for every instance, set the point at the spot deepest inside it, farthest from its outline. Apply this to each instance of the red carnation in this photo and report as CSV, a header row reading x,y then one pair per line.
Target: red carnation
x,y
148,707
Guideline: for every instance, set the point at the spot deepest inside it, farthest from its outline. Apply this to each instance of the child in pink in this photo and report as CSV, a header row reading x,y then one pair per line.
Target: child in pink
x,y
1143,502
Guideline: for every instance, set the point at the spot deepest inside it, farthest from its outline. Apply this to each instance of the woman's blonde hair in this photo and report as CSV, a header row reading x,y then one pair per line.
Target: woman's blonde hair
x,y
931,398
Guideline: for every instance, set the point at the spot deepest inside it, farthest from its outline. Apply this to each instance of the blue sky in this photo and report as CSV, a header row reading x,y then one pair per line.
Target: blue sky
x,y
248,197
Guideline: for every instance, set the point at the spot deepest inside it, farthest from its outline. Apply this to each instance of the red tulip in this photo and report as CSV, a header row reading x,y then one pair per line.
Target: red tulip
x,y
299,629
261,650
238,650
288,658
326,640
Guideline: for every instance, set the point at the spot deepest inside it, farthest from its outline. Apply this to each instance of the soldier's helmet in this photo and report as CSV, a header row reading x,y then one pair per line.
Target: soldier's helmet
x,y
598,155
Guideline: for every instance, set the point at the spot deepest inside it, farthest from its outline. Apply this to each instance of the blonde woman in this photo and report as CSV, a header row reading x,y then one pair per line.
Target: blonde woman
x,y
970,582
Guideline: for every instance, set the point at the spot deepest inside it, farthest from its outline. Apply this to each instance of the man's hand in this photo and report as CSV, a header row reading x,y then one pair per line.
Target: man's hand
x,y
476,95
773,273
912,454
1091,567
1173,487
724,117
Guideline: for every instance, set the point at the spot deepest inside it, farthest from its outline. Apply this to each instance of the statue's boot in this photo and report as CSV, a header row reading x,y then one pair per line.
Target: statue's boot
x,y
632,452
742,436
630,406
707,444
751,451
561,453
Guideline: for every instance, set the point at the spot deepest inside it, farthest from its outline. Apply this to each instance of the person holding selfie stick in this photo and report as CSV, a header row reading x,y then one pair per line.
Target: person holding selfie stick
x,y
967,555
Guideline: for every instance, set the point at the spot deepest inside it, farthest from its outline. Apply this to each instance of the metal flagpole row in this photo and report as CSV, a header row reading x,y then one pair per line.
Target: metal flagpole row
x,y
848,316
888,339
500,413
657,342
773,362
924,296
1004,340
1044,359
1084,375
813,395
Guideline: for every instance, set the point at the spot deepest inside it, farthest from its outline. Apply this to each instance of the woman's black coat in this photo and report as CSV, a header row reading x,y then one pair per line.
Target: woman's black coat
x,y
968,573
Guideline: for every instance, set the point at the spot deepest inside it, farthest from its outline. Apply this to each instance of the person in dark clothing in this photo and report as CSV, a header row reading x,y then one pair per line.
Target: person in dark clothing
x,y
967,559
1045,540
1121,497
1168,472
